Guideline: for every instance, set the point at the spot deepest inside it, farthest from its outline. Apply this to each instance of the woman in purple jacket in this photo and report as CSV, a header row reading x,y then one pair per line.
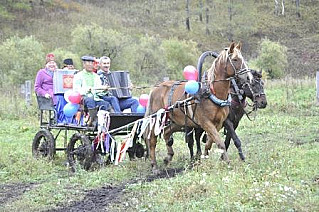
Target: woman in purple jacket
x,y
43,85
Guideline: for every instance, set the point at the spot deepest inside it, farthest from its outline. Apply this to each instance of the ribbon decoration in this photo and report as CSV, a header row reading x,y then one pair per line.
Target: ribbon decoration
x,y
103,137
127,143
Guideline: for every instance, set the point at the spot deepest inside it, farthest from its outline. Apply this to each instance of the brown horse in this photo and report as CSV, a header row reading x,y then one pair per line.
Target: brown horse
x,y
200,111
239,92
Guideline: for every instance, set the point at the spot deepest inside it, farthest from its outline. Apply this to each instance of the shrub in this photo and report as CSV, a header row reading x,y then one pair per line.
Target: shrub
x,y
96,41
272,58
20,59
179,54
145,60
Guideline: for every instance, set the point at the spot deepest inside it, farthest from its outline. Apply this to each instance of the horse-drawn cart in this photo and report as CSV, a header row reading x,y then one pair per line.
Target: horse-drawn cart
x,y
86,144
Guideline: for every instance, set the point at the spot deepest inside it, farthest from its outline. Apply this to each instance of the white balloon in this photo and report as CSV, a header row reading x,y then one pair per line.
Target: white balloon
x,y
67,94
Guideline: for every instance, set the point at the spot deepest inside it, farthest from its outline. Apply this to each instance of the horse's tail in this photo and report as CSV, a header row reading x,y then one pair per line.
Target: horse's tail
x,y
149,104
146,133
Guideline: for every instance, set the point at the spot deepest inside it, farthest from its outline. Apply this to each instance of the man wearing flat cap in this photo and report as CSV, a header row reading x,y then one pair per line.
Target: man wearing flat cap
x,y
88,84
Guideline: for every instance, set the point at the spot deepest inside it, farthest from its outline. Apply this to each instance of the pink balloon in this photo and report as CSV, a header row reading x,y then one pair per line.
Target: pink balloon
x,y
190,73
75,97
144,99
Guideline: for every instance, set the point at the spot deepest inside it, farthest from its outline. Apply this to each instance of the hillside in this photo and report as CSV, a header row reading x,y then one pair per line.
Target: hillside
x,y
212,24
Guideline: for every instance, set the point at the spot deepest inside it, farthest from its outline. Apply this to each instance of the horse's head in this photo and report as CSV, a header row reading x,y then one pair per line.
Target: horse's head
x,y
234,63
255,89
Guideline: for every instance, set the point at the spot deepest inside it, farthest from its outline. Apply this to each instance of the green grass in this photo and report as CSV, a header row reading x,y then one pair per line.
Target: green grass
x,y
281,172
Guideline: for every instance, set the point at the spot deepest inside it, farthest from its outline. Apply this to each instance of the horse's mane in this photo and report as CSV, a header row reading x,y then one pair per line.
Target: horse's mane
x,y
217,62
222,58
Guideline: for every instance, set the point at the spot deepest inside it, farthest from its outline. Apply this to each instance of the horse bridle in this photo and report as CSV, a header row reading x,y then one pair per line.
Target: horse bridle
x,y
237,72
255,95
241,70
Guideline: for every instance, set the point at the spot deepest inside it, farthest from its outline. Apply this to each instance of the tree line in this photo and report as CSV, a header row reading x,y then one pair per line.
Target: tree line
x,y
155,38
148,58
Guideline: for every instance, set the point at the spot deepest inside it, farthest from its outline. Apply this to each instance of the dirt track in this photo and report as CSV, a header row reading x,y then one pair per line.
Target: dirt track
x,y
99,199
94,200
11,192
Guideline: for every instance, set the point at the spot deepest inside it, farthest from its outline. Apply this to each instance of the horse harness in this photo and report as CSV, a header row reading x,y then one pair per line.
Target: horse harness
x,y
204,92
183,105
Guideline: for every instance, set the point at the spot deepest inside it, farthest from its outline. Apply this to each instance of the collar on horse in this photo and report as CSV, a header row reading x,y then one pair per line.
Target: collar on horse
x,y
220,102
209,93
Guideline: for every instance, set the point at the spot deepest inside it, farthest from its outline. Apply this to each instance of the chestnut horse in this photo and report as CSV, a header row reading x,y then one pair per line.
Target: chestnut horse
x,y
239,91
200,112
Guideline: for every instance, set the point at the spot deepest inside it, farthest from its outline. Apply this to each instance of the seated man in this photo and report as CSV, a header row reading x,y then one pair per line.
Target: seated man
x,y
124,103
88,83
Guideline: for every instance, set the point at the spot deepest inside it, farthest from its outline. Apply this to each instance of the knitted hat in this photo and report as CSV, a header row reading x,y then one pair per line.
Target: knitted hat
x,y
49,57
67,61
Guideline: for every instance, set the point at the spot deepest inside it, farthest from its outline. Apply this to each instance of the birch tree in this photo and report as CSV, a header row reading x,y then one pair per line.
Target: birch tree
x,y
187,22
297,8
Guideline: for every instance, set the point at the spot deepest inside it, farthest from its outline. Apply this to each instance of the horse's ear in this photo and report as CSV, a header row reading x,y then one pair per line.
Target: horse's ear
x,y
231,48
239,45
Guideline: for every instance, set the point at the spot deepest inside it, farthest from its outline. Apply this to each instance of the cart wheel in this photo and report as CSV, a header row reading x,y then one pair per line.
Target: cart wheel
x,y
43,144
80,152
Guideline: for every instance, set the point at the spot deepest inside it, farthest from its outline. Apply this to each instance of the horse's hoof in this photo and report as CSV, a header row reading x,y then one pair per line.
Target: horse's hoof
x,y
242,157
204,156
170,141
166,161
225,158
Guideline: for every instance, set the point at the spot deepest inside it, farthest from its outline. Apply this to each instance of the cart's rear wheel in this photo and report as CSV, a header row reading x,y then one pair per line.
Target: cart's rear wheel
x,y
80,152
43,144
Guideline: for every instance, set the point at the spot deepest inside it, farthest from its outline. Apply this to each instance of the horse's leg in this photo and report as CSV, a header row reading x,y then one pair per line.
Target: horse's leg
x,y
228,135
232,133
168,132
214,136
152,146
198,134
190,140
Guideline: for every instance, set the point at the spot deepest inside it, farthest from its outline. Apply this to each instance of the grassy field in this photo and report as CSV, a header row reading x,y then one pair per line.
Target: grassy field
x,y
281,172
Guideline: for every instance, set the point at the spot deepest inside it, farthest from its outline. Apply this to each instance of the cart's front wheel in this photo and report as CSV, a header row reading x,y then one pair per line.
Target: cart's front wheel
x,y
80,152
43,144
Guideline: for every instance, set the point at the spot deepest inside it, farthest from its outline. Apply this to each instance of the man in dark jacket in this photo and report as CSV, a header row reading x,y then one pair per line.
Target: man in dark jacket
x,y
124,103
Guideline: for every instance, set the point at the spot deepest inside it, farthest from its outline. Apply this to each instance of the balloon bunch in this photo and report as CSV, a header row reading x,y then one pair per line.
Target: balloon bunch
x,y
73,98
143,100
190,73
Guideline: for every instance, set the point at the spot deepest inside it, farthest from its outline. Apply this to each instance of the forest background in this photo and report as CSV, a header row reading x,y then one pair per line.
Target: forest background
x,y
155,38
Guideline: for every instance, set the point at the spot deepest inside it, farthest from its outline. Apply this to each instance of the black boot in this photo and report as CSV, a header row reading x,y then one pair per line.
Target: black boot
x,y
93,118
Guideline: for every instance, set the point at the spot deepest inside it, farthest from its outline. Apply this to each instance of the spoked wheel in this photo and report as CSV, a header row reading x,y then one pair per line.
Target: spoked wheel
x,y
43,144
80,152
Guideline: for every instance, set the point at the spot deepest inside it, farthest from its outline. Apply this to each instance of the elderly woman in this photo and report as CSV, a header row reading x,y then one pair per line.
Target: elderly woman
x,y
43,85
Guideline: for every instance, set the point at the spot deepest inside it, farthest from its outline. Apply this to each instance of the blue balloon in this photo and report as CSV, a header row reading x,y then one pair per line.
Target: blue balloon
x,y
140,109
192,87
70,109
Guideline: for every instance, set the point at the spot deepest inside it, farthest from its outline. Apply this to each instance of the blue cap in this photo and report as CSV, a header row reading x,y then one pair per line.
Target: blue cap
x,y
87,58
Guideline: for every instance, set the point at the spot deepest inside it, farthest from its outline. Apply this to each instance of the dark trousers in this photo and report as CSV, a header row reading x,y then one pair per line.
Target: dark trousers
x,y
90,103
114,102
126,103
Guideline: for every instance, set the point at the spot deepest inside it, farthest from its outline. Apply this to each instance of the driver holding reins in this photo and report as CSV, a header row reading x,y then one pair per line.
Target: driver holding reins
x,y
88,84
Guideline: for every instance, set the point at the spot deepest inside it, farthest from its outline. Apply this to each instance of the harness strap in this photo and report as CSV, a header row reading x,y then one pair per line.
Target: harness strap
x,y
187,116
219,102
170,95
235,86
